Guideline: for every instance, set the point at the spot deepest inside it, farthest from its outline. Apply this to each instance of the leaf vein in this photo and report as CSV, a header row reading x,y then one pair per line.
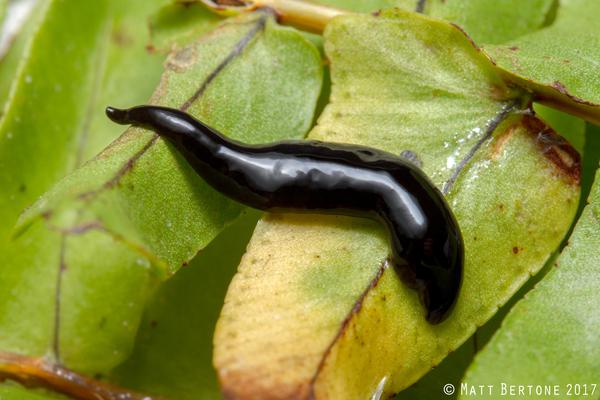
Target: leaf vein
x,y
345,323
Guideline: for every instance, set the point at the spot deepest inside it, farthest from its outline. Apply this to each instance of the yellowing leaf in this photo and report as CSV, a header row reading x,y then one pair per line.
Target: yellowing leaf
x,y
315,310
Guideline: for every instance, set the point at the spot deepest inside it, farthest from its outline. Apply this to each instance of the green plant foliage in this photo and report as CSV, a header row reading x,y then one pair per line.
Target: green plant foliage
x,y
556,324
494,21
561,61
136,212
16,53
40,142
173,352
176,24
313,308
450,370
12,391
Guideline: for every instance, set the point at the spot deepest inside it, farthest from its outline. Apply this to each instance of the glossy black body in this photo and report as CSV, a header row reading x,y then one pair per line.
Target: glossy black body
x,y
310,176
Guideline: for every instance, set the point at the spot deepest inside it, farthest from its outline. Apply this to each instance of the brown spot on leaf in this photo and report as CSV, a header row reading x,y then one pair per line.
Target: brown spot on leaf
x,y
150,48
563,90
556,149
499,93
500,141
181,60
513,48
515,250
121,38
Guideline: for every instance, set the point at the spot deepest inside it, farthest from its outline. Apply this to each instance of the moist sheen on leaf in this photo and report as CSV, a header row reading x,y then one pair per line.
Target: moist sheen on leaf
x,y
315,309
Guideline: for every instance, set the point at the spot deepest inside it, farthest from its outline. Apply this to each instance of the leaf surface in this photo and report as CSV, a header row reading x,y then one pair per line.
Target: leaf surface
x,y
117,226
12,391
40,142
176,24
314,308
556,324
494,21
173,352
560,62
24,20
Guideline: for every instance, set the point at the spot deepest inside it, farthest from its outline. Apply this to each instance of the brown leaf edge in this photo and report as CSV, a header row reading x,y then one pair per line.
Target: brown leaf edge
x,y
38,372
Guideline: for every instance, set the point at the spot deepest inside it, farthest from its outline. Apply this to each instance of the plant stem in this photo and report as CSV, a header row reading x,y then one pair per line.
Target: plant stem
x,y
38,372
303,15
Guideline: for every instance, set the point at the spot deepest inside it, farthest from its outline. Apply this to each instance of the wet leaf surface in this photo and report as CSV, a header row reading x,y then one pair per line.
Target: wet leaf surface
x,y
314,309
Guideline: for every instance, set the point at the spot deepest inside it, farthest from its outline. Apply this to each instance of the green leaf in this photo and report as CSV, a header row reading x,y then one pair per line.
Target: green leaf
x,y
98,55
35,128
494,21
173,352
2,10
314,309
559,63
12,391
176,24
13,55
450,370
91,72
556,324
136,212
77,58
